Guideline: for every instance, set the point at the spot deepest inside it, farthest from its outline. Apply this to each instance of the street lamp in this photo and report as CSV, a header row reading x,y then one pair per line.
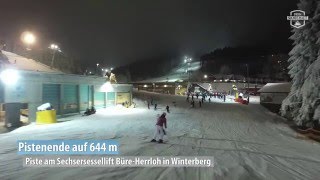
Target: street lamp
x,y
55,48
98,70
205,76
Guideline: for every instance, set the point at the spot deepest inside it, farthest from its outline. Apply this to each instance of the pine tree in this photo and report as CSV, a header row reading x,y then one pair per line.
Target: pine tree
x,y
310,110
303,54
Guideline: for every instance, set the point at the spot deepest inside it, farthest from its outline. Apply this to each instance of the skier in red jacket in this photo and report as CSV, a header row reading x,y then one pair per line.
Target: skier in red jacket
x,y
162,121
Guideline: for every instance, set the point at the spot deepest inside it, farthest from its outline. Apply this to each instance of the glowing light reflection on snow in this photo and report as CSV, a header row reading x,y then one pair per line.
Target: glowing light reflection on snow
x,y
120,110
106,87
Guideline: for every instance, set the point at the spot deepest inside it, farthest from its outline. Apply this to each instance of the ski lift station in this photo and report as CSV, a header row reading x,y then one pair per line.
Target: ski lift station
x,y
67,93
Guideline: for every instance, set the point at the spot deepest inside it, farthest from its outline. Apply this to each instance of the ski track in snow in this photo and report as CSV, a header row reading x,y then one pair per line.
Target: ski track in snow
x,y
246,141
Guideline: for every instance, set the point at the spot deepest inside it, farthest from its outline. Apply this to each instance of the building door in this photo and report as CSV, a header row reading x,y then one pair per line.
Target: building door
x,y
84,97
51,94
111,96
70,98
99,99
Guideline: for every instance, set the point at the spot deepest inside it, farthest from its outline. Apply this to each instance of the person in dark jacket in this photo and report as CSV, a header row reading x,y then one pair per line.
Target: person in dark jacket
x,y
192,103
160,132
167,108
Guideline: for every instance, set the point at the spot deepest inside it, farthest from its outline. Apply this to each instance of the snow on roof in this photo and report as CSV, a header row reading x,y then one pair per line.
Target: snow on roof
x,y
276,87
23,63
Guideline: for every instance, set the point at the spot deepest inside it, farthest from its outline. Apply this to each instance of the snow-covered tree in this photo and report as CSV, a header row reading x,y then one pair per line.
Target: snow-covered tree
x,y
310,109
302,58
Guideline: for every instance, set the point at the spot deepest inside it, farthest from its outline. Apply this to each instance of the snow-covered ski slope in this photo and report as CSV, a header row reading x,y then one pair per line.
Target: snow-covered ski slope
x,y
246,141
22,63
177,74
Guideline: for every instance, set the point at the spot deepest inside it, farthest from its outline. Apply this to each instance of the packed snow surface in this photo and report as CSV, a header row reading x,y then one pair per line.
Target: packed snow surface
x,y
247,142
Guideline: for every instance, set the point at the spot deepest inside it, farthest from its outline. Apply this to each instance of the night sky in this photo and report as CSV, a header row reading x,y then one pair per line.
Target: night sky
x,y
117,32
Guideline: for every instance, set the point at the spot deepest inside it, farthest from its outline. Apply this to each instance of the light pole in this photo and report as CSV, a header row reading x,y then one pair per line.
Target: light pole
x,y
247,74
248,81
188,61
55,48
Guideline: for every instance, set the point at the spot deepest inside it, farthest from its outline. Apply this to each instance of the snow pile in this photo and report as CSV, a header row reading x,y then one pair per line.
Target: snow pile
x,y
247,142
23,63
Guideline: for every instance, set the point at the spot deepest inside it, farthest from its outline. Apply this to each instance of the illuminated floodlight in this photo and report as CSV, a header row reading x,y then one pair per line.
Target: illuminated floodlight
x,y
111,69
145,85
28,38
165,85
9,76
205,76
54,47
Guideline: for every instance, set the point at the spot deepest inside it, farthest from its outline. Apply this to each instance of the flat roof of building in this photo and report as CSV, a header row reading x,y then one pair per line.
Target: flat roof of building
x,y
276,88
